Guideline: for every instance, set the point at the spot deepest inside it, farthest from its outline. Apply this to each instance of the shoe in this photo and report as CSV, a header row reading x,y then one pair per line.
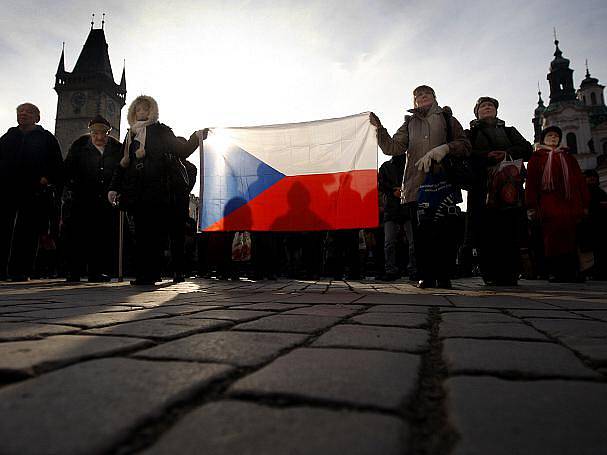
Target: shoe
x,y
101,278
444,284
17,278
389,277
178,278
72,279
425,284
141,282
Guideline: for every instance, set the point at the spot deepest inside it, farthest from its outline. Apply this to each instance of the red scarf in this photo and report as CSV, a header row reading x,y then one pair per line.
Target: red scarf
x,y
548,175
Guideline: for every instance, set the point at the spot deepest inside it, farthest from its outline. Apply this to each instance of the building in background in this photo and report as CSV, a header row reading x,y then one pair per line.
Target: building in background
x,y
87,91
581,114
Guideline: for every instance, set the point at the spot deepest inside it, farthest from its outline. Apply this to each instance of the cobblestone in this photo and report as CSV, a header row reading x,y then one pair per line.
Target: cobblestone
x,y
90,407
371,337
360,377
232,427
500,417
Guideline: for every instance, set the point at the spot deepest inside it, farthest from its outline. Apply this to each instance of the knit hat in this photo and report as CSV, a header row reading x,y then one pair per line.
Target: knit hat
x,y
423,88
482,100
99,122
553,129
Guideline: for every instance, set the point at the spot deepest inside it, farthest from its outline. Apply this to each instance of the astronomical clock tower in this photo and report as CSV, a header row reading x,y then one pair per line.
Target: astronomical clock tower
x,y
87,91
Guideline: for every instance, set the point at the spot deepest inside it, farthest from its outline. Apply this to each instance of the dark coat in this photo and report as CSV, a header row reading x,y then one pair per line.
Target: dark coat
x,y
27,157
146,181
486,137
88,173
390,177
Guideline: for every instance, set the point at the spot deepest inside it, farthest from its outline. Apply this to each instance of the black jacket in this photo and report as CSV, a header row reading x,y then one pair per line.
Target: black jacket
x,y
390,177
486,137
27,157
88,173
146,181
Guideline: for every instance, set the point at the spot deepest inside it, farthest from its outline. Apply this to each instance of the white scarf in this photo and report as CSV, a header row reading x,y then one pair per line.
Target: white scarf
x,y
139,128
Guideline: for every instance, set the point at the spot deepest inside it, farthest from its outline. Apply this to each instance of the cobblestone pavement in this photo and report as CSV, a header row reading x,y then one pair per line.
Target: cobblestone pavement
x,y
294,367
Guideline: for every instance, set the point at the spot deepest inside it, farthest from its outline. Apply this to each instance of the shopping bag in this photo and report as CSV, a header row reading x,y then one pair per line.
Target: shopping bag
x,y
505,184
437,197
241,246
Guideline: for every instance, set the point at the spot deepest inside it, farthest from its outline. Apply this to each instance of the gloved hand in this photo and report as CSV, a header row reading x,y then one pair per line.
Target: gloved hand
x,y
374,119
531,215
436,154
111,197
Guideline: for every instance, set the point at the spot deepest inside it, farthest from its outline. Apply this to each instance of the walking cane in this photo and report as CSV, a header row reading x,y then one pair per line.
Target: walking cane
x,y
120,244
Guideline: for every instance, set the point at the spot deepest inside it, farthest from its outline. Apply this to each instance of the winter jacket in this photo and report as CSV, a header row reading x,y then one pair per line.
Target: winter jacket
x,y
417,136
486,136
26,157
88,172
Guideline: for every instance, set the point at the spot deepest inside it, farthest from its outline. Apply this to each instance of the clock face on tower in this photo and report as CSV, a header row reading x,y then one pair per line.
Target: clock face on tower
x,y
78,99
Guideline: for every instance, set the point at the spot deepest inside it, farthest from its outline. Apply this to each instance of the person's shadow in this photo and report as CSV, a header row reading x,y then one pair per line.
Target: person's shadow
x,y
299,216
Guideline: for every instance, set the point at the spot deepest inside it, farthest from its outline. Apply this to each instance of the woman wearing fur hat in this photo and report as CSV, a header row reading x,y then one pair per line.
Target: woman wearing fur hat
x,y
557,196
494,233
143,182
92,224
424,138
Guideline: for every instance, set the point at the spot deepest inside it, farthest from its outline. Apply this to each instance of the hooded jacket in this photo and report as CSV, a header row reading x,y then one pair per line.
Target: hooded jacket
x,y
146,180
417,136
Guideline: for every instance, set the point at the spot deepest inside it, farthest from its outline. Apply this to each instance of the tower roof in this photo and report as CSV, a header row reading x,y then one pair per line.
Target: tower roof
x,y
559,61
94,57
588,80
540,104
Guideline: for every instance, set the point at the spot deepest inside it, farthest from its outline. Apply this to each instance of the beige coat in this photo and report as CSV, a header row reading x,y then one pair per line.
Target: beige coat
x,y
417,136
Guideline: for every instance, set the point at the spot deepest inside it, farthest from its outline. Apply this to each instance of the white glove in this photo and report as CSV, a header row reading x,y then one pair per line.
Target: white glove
x,y
111,196
436,154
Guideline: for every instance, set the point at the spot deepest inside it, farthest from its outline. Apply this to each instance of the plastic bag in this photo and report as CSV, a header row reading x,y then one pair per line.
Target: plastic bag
x,y
241,246
505,184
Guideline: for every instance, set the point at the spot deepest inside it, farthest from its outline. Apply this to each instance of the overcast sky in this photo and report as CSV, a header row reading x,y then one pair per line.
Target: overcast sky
x,y
239,63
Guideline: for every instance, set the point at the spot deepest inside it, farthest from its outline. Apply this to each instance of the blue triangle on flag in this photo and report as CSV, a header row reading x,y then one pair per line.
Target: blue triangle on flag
x,y
232,178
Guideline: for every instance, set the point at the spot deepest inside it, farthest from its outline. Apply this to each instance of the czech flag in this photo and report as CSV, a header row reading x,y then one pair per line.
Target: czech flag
x,y
310,176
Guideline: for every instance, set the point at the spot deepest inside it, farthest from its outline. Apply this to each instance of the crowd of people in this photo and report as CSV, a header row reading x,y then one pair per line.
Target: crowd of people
x,y
62,217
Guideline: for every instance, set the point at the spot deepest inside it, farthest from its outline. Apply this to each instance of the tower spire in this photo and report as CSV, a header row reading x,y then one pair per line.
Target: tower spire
x,y
123,78
92,20
557,52
61,67
103,21
587,71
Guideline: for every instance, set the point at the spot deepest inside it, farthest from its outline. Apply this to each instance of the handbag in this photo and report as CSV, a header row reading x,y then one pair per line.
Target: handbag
x,y
178,174
505,184
459,171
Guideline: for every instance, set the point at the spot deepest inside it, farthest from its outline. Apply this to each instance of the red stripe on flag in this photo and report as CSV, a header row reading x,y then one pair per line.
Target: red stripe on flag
x,y
344,200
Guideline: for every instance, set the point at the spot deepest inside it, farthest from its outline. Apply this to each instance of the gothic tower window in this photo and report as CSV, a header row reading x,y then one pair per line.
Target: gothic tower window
x,y
593,99
571,142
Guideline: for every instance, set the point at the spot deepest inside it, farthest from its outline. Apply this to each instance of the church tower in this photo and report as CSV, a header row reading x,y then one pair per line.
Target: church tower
x,y
537,117
87,91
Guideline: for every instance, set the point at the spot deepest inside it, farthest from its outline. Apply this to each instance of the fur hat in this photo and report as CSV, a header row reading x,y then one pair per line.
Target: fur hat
x,y
131,116
551,129
484,99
